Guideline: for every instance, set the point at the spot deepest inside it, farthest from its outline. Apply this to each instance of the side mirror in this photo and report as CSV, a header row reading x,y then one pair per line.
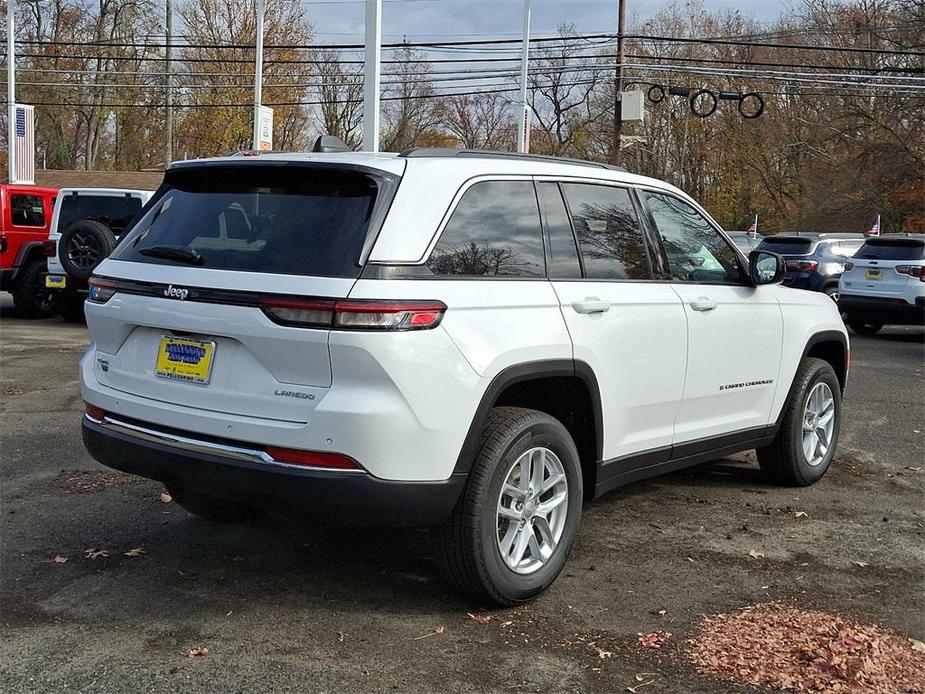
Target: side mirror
x,y
765,267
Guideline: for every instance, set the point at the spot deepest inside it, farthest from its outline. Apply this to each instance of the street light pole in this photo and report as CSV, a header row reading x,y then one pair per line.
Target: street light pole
x,y
616,156
258,73
168,119
11,89
371,75
523,125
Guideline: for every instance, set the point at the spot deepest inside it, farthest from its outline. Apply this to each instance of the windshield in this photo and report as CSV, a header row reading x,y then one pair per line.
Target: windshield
x,y
284,220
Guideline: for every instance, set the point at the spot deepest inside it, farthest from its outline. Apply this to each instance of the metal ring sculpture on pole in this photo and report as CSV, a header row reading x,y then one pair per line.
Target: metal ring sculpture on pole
x,y
703,112
759,108
656,94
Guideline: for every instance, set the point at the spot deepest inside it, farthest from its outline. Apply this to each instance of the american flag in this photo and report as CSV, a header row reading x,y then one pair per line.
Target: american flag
x,y
24,145
875,229
753,228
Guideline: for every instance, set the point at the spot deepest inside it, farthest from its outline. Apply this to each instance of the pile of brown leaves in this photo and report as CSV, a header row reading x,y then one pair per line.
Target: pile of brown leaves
x,y
806,651
90,481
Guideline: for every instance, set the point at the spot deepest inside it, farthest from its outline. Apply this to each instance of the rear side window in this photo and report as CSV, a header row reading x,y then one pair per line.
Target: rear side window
x,y
892,249
280,220
786,246
608,232
494,231
115,211
27,211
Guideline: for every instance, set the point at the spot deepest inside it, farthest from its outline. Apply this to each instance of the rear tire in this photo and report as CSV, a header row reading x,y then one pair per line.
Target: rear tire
x,y
31,298
211,508
503,505
83,246
796,457
862,327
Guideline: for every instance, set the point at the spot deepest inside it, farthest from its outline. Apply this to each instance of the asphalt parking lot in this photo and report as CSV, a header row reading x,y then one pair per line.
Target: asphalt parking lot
x,y
295,606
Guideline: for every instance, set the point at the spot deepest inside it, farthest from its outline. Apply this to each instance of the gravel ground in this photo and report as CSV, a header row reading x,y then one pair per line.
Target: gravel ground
x,y
288,606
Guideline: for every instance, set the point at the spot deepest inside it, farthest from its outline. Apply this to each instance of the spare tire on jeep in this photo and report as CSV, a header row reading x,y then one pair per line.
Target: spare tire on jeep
x,y
83,246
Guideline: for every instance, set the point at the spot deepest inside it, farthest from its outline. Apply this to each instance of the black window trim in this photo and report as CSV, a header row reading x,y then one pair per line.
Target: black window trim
x,y
547,241
743,261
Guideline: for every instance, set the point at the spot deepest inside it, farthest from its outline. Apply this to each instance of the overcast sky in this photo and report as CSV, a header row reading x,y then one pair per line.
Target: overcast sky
x,y
342,20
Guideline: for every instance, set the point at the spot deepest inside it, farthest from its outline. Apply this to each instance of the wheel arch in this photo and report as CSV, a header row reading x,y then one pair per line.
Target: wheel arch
x,y
830,346
576,402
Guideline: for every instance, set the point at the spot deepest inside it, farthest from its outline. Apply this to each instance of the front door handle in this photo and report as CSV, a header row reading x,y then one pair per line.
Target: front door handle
x,y
591,304
703,303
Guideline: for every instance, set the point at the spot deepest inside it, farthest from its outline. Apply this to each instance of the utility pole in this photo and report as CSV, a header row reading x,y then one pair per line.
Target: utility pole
x,y
11,89
371,75
523,125
258,73
168,119
616,156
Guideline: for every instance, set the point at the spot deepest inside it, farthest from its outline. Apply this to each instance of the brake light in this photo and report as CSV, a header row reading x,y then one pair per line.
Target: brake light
x,y
911,270
101,290
50,248
94,412
330,461
359,314
849,266
802,265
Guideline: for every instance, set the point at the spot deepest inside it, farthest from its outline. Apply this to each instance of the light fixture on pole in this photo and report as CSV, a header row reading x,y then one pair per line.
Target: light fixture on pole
x,y
523,123
258,72
371,75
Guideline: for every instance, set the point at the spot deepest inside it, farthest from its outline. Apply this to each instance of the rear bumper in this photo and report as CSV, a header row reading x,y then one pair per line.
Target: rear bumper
x,y
349,498
883,310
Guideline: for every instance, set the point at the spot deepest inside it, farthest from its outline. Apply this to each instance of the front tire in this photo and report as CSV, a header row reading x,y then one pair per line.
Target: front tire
x,y
516,521
30,296
805,443
211,508
862,327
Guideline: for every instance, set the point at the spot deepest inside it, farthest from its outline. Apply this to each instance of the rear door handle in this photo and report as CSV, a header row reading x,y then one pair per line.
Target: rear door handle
x,y
702,303
591,304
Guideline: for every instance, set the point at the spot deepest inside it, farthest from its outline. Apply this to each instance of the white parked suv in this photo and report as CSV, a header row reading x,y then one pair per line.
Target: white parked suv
x,y
463,340
884,283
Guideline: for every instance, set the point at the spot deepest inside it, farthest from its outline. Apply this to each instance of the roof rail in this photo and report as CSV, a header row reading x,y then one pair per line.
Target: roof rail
x,y
422,152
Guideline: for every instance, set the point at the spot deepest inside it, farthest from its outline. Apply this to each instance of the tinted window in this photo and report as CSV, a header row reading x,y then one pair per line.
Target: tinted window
x,y
696,252
563,254
27,211
494,231
892,249
786,246
608,231
114,211
285,220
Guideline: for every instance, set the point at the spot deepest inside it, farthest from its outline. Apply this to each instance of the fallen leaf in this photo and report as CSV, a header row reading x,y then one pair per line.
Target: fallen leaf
x,y
800,514
137,552
436,632
654,639
755,554
479,618
862,564
341,635
59,559
506,624
196,651
635,689
94,553
601,653
165,498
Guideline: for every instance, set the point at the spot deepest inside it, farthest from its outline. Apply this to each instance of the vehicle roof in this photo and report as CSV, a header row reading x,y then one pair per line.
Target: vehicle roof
x,y
803,235
900,239
104,191
30,187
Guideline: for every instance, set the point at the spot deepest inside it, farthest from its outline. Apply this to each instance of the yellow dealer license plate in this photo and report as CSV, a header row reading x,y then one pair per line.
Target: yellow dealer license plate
x,y
55,281
185,360
874,274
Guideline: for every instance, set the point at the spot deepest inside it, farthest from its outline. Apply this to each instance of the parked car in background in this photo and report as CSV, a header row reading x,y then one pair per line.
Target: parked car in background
x,y
744,241
472,341
884,284
85,226
813,261
25,216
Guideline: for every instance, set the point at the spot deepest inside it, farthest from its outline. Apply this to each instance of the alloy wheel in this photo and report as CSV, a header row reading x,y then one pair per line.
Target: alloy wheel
x,y
818,423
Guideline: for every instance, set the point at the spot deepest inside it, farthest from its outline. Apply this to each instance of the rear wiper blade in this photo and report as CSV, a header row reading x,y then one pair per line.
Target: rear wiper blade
x,y
181,254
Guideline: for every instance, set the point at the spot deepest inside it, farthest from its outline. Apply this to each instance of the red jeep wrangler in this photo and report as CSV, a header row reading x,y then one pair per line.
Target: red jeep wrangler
x,y
25,216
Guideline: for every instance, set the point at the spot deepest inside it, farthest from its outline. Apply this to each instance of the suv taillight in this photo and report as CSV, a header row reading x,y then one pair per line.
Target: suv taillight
x,y
911,270
355,314
804,265
50,248
101,290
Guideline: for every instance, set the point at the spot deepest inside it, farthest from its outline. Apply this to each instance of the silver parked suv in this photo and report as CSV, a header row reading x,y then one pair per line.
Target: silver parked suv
x,y
462,340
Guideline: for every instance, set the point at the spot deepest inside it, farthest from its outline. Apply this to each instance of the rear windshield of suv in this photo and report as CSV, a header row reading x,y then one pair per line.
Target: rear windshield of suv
x,y
892,249
787,246
114,211
287,220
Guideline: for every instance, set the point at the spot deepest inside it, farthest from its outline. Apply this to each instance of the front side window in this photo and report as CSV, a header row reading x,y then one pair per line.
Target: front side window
x,y
695,250
494,231
27,211
608,231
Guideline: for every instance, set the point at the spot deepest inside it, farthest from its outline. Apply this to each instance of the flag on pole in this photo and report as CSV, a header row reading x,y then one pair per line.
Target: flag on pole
x,y
753,228
24,142
875,229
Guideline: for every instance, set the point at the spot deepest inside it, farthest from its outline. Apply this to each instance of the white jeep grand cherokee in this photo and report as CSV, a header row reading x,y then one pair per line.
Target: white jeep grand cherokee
x,y
463,340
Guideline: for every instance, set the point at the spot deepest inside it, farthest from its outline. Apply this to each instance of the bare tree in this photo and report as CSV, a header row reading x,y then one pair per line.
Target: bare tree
x,y
340,91
480,121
